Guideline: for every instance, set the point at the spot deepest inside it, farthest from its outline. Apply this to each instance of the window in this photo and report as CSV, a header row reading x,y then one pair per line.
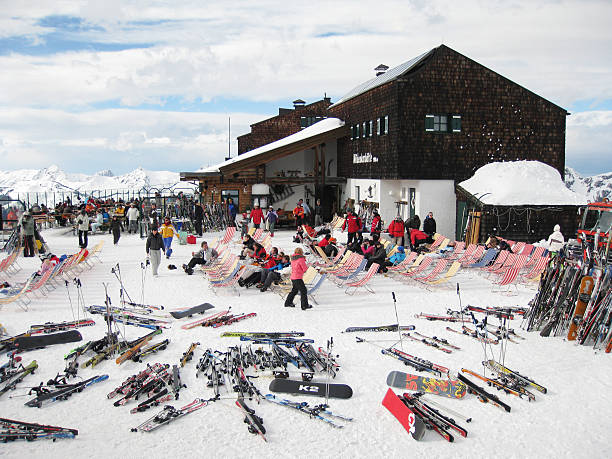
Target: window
x,y
440,123
306,121
363,131
357,131
382,127
225,194
357,193
370,128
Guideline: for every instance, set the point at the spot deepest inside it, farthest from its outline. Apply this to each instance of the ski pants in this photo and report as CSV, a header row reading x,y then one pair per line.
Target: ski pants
x,y
298,286
28,246
116,236
132,226
83,239
155,256
167,246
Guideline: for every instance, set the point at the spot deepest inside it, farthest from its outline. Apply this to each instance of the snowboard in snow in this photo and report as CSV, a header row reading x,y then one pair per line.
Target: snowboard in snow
x,y
450,388
586,288
412,423
289,386
200,309
32,342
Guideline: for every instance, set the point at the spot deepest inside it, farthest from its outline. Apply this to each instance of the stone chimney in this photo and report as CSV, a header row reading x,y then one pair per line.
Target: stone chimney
x,y
382,68
298,104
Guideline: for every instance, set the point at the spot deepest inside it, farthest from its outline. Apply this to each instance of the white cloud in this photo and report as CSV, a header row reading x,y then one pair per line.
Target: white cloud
x,y
589,142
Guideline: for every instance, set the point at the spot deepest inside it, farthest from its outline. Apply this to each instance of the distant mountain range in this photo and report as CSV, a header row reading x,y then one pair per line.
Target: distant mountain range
x,y
53,179
594,188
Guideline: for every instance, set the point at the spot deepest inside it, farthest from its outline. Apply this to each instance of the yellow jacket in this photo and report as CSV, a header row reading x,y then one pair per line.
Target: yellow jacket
x,y
167,230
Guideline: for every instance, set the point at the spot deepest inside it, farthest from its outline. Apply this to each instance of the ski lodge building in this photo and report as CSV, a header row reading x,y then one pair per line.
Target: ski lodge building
x,y
400,142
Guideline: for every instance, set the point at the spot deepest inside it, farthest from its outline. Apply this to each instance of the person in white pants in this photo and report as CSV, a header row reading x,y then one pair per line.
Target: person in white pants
x,y
154,248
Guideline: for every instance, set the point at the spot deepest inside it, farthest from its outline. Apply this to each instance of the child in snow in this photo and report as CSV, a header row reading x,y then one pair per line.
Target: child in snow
x,y
298,268
168,232
154,248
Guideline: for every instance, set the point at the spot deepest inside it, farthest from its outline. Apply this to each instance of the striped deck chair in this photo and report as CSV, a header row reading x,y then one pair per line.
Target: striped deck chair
x,y
308,278
498,263
213,265
348,267
19,296
476,255
340,279
536,255
40,281
445,279
349,260
486,259
527,250
230,231
419,269
319,251
315,287
409,267
457,251
229,282
510,278
434,273
257,234
223,272
329,263
467,253
404,263
536,270
517,247
438,241
7,264
363,282
508,262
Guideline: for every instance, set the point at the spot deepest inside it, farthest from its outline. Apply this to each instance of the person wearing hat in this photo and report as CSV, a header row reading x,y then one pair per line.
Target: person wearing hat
x,y
154,248
116,227
271,218
556,239
82,222
352,224
379,256
27,231
397,257
132,215
396,230
257,216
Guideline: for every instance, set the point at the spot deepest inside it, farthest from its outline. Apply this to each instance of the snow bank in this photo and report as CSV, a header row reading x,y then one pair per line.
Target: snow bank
x,y
521,183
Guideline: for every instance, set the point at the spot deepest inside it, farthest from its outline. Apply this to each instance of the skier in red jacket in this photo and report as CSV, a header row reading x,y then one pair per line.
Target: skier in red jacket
x,y
351,224
396,231
376,224
257,216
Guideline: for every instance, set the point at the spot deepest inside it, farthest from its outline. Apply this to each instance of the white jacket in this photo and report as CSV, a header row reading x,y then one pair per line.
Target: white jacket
x,y
555,241
132,214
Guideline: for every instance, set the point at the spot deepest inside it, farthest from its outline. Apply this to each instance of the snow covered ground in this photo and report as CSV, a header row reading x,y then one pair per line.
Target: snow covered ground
x,y
572,420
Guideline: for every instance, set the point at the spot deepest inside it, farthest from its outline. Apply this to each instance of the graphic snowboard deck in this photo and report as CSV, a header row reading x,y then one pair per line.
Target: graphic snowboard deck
x,y
32,342
199,309
289,386
412,423
450,388
586,288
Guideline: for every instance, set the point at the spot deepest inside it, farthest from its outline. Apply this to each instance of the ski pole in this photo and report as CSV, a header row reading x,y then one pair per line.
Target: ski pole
x,y
397,321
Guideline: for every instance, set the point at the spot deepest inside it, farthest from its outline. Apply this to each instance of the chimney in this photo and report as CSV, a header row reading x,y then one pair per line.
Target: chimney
x,y
382,68
298,104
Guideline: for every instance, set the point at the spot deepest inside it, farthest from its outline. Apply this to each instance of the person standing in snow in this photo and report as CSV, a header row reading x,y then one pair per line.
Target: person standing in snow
x,y
115,227
82,222
132,216
298,268
257,216
556,239
154,248
167,232
318,212
271,218
198,217
429,224
27,231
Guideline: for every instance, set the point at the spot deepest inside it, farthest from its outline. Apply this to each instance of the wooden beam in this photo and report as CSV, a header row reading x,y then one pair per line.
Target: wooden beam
x,y
316,164
323,163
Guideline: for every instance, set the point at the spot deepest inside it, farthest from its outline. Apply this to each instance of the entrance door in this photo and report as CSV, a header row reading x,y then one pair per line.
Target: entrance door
x,y
328,195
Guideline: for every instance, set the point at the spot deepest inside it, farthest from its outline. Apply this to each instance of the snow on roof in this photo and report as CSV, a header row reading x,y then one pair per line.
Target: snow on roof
x,y
325,125
521,183
389,75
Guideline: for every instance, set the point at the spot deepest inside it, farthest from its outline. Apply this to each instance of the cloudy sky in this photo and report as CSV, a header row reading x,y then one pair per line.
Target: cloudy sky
x,y
117,84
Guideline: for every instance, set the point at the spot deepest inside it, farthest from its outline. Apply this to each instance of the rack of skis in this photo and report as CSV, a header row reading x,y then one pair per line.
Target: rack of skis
x,y
574,300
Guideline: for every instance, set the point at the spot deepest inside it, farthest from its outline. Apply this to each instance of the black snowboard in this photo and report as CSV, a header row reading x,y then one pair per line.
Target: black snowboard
x,y
32,342
289,386
200,309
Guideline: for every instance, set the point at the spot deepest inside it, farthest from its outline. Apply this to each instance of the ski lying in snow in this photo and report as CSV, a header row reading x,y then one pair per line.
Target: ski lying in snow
x,y
504,371
231,319
450,388
204,320
427,342
254,422
32,342
63,392
433,418
132,351
404,415
137,379
169,414
423,315
30,426
290,334
188,354
482,394
380,328
199,309
467,332
499,313
319,412
19,430
18,376
156,400
503,385
289,386
416,362
152,349
51,327
441,341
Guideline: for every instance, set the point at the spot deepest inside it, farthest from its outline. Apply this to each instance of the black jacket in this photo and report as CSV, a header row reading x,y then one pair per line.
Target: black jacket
x,y
154,242
429,226
115,226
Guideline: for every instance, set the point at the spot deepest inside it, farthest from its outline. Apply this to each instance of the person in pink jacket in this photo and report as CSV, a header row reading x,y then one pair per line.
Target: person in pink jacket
x,y
298,268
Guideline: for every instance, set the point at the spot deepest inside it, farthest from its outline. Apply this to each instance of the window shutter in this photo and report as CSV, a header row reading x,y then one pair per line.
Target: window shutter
x,y
429,123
